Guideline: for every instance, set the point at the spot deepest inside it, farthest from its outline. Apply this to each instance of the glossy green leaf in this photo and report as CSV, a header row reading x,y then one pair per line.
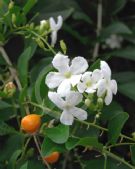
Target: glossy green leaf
x,y
6,129
127,89
23,62
132,150
58,134
86,142
29,4
48,146
115,126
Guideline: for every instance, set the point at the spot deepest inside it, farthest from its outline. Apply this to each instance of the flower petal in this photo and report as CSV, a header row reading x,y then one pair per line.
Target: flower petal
x,y
53,79
101,87
75,79
59,22
74,98
66,118
61,63
64,88
56,99
52,23
86,76
53,38
81,87
105,70
108,97
79,113
91,89
96,75
79,65
114,86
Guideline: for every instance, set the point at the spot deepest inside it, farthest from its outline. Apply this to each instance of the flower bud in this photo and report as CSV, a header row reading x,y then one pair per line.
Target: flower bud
x,y
43,26
13,19
63,46
11,5
9,89
40,43
87,102
100,103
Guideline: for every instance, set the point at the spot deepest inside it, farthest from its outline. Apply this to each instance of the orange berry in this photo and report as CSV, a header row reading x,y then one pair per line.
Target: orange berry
x,y
31,123
52,158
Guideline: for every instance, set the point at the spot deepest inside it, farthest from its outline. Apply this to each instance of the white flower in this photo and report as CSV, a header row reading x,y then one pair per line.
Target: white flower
x,y
68,74
114,41
89,81
106,86
54,28
68,105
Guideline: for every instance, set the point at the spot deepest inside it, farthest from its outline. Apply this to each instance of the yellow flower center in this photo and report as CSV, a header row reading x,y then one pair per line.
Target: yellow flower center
x,y
88,83
67,75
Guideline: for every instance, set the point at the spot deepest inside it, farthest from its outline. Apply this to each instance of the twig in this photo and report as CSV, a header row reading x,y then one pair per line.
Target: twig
x,y
99,27
38,148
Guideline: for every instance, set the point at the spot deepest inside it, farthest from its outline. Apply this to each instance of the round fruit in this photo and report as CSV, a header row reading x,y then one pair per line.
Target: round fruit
x,y
52,158
31,123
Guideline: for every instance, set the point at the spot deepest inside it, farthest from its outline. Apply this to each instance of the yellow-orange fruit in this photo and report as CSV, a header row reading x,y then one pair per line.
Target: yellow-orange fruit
x,y
31,123
52,158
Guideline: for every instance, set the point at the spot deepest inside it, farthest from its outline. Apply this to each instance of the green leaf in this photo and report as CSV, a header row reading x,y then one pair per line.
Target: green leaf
x,y
58,134
29,4
86,142
4,105
6,129
48,147
132,150
12,160
115,28
23,62
127,89
124,77
115,126
128,53
38,92
95,65
33,163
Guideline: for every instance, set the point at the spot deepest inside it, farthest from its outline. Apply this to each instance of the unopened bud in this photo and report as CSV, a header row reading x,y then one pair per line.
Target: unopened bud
x,y
40,43
9,89
43,26
87,102
13,19
63,46
11,5
100,103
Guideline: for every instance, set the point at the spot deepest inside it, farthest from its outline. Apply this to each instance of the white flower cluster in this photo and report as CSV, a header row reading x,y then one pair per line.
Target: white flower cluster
x,y
54,27
72,80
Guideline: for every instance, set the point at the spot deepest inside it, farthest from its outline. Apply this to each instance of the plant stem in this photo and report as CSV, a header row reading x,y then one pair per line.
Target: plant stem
x,y
105,161
109,154
120,144
12,70
99,27
38,148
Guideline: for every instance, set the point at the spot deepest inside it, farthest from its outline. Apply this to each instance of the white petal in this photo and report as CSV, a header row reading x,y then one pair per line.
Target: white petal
x,y
91,90
101,87
79,113
79,65
66,118
53,38
59,22
64,88
105,70
74,98
75,79
53,79
86,76
56,99
108,97
81,87
61,62
96,75
114,86
52,23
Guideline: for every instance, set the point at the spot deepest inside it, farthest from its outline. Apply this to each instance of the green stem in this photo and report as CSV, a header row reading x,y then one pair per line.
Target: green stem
x,y
105,161
120,144
109,154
